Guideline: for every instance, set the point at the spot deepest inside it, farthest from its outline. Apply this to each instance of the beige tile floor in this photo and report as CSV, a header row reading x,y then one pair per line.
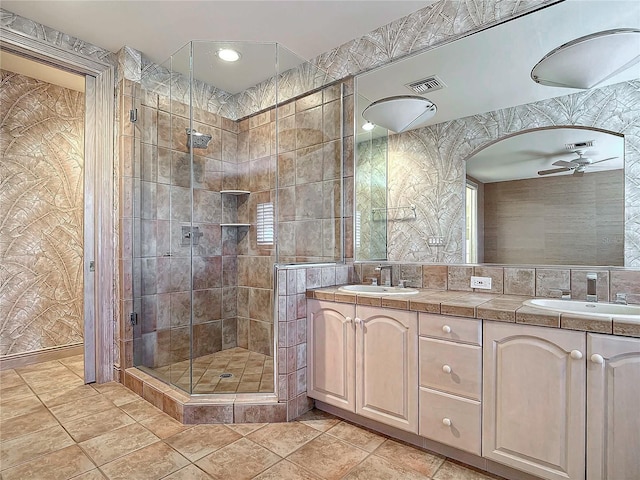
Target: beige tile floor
x,y
251,372
52,427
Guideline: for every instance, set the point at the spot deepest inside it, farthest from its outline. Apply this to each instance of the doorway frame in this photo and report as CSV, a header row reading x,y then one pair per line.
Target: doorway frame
x,y
99,229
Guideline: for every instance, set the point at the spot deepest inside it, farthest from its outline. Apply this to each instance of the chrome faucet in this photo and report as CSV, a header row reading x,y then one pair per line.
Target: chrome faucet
x,y
592,284
560,293
389,281
621,298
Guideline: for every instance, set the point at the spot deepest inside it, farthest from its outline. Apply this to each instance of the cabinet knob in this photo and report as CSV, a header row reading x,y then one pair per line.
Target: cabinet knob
x,y
358,321
576,354
446,329
446,421
595,358
349,319
446,369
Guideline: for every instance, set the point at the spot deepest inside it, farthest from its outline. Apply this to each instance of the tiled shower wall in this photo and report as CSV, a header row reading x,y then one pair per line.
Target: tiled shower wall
x,y
165,211
41,212
233,274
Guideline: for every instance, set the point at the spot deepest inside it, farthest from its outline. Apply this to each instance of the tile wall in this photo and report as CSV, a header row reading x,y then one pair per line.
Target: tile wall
x,y
529,280
292,285
233,279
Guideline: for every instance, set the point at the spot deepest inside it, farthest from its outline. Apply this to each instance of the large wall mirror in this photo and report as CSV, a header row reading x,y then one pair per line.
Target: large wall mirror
x,y
463,184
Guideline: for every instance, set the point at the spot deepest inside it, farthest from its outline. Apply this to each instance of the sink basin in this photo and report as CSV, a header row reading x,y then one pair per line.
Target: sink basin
x,y
585,308
377,290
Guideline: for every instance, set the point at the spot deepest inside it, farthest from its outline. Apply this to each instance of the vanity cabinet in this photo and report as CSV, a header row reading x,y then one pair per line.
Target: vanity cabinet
x,y
364,360
331,353
613,407
450,377
534,399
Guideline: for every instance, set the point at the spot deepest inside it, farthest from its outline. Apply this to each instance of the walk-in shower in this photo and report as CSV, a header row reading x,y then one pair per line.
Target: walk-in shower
x,y
240,168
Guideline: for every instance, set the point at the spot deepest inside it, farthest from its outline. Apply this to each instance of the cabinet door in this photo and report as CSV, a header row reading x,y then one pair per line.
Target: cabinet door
x,y
387,366
613,406
533,408
331,353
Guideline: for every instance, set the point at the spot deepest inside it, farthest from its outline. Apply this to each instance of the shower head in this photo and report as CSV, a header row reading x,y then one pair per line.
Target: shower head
x,y
196,139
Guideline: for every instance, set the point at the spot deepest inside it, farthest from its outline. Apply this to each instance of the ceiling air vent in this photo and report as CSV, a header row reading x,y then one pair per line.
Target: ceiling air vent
x,y
426,85
576,146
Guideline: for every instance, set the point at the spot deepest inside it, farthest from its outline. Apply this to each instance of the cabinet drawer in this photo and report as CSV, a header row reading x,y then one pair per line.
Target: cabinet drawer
x,y
464,416
453,367
456,329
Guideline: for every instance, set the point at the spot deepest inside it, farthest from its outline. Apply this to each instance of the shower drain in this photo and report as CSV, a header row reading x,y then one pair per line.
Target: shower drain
x,y
226,375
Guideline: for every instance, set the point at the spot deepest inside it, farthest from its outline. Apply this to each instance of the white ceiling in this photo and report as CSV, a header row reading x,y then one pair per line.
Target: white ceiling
x,y
522,156
491,70
160,28
40,71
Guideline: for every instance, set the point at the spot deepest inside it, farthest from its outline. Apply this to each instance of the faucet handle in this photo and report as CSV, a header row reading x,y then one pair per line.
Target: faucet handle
x,y
561,293
402,283
621,298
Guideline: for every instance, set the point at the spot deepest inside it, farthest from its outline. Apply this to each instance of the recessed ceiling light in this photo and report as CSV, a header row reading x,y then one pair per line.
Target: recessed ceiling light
x,y
368,126
228,55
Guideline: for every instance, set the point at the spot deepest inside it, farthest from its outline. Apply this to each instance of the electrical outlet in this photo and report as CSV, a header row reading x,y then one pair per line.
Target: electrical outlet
x,y
481,282
435,241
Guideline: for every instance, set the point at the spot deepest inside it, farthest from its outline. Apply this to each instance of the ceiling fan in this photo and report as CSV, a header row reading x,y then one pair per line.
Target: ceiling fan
x,y
578,165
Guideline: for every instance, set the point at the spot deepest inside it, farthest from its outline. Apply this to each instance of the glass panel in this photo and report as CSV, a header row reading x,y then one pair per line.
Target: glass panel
x,y
310,198
220,141
371,188
472,222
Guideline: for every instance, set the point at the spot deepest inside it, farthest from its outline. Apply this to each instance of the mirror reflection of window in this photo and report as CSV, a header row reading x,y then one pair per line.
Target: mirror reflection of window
x,y
472,222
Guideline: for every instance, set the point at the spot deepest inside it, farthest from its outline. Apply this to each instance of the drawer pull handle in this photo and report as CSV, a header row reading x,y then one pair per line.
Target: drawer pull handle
x,y
595,358
446,369
446,329
446,421
576,354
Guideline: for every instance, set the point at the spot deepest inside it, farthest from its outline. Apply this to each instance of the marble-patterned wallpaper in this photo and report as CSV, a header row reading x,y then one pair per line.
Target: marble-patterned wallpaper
x,y
51,36
41,215
426,166
436,24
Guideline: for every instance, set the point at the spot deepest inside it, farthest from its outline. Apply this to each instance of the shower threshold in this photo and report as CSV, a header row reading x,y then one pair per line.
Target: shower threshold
x,y
211,406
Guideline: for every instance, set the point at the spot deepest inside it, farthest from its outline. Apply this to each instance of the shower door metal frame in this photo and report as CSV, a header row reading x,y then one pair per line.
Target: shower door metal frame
x,y
99,245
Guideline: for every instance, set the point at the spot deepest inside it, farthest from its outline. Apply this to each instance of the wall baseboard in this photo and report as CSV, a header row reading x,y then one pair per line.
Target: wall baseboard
x,y
23,359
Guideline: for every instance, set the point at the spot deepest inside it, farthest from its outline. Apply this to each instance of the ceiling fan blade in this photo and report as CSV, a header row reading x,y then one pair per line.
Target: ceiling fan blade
x,y
562,163
603,160
578,173
554,170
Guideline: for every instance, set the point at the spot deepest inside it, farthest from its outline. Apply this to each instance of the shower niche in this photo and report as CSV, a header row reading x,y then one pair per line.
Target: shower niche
x,y
222,148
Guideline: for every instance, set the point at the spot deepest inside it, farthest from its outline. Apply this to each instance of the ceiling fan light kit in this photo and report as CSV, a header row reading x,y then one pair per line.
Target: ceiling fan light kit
x,y
579,165
590,60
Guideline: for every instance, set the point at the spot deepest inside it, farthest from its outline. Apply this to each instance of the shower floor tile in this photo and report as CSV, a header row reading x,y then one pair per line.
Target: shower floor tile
x,y
251,372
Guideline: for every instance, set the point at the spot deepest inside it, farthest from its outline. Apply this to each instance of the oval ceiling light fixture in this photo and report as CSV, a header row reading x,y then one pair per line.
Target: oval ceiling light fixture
x,y
367,127
590,60
399,113
228,55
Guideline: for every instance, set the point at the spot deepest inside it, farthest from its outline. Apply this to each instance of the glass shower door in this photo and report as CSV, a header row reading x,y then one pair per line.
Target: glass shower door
x,y
163,229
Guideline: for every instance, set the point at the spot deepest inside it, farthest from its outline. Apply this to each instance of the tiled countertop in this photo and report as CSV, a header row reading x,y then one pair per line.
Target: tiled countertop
x,y
486,306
